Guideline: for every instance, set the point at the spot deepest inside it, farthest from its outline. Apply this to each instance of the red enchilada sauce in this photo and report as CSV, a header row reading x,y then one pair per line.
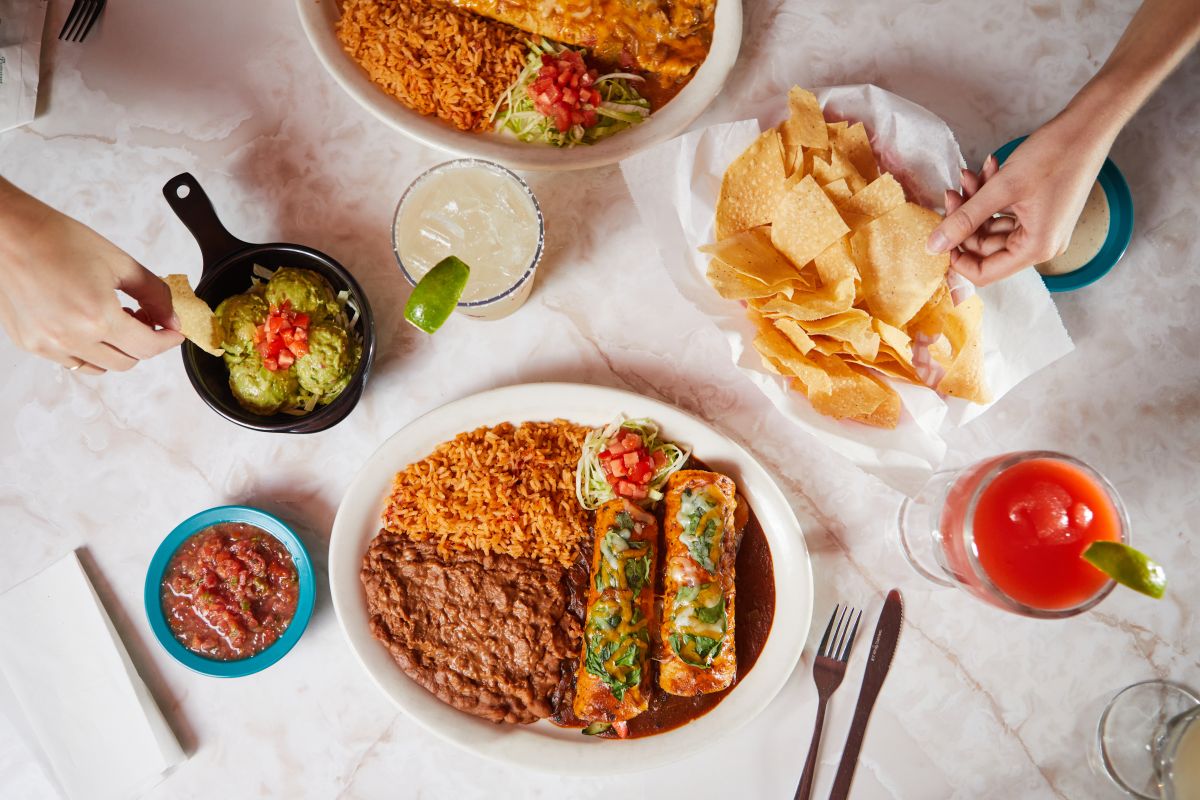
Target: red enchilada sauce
x,y
230,591
755,610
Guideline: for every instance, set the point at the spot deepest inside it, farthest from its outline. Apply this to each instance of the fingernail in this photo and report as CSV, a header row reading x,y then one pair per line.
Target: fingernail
x,y
174,323
937,243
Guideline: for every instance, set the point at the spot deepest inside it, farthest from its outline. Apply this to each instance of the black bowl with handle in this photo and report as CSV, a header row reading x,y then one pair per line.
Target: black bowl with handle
x,y
228,268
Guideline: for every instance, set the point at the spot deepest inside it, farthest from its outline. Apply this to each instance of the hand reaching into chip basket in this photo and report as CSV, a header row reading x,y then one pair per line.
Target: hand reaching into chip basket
x,y
58,285
1007,219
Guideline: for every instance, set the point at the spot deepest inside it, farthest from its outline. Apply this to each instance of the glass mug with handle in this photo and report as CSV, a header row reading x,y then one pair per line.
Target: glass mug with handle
x,y
1011,530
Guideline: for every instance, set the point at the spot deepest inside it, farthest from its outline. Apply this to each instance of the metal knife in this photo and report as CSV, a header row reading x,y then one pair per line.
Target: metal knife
x,y
883,647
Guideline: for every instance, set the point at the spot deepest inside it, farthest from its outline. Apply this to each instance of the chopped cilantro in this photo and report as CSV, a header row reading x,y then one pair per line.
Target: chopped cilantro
x,y
711,614
637,573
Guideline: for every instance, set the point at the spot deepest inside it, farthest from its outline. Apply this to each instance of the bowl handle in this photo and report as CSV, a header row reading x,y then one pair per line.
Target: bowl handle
x,y
195,210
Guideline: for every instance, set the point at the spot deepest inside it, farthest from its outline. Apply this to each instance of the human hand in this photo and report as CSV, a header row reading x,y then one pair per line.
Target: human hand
x,y
1039,193
58,283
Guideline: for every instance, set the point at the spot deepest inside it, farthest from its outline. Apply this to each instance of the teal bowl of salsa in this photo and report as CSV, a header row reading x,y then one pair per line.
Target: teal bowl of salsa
x,y
230,591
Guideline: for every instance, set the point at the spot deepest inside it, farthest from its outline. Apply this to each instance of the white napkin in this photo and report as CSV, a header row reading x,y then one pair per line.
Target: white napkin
x,y
21,24
675,186
81,698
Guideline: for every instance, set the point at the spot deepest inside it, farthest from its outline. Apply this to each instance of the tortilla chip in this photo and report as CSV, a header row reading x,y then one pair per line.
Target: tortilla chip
x,y
854,394
887,415
805,222
803,129
197,322
838,191
898,274
750,253
829,346
733,285
830,299
931,319
852,327
795,334
894,341
964,378
751,187
853,142
838,167
773,346
812,156
876,199
835,265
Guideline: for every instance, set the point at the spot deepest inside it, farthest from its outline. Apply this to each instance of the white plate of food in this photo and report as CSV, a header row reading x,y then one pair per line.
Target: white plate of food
x,y
483,648
380,53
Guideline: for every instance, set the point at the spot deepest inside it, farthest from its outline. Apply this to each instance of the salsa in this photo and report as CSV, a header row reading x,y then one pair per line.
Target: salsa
x,y
230,591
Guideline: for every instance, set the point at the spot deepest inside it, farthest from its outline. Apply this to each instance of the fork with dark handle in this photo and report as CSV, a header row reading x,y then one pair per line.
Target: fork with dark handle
x,y
828,669
83,16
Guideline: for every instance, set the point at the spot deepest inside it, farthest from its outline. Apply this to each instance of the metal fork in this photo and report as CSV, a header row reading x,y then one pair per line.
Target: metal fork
x,y
828,669
83,16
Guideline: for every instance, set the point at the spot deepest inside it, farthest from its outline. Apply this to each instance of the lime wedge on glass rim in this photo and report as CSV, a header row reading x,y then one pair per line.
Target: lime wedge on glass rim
x,y
1127,567
435,296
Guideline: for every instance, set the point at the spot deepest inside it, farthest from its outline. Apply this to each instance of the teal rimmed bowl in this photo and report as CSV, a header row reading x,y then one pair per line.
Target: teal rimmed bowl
x,y
1120,227
304,604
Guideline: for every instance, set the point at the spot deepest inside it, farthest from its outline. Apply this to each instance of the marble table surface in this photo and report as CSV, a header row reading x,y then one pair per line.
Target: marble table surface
x,y
979,703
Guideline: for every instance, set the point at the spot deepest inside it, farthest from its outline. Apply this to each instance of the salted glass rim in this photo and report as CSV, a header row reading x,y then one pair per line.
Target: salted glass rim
x,y
459,163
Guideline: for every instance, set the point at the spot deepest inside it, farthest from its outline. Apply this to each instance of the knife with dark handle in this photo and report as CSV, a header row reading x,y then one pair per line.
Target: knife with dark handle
x,y
883,647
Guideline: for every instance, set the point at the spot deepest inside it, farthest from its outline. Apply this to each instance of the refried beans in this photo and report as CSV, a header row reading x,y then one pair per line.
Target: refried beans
x,y
485,633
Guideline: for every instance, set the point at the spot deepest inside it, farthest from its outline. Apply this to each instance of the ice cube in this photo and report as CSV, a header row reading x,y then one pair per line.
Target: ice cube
x,y
1045,510
1081,515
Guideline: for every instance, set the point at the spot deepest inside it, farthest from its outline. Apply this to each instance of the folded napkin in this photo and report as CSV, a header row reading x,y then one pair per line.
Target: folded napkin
x,y
21,24
81,697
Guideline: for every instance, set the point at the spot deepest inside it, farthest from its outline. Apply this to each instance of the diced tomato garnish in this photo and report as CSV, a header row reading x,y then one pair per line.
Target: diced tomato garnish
x,y
631,459
560,90
282,338
616,468
631,441
615,448
660,459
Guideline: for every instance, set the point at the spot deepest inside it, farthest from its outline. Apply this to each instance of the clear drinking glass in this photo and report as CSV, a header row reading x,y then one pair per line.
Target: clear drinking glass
x,y
937,532
1148,741
485,215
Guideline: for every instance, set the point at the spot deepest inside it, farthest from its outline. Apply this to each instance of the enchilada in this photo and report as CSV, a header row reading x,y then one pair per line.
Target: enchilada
x,y
697,628
613,679
667,37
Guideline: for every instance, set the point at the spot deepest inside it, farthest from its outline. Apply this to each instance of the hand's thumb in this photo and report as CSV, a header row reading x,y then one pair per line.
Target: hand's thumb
x,y
151,293
967,219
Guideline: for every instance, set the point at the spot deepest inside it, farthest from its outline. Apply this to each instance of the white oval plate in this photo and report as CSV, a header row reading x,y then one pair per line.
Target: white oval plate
x,y
318,18
543,746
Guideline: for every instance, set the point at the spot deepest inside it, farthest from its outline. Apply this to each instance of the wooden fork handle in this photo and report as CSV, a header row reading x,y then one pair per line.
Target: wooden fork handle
x,y
810,764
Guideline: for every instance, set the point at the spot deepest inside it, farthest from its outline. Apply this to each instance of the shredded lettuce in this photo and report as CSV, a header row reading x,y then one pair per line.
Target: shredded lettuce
x,y
621,106
592,488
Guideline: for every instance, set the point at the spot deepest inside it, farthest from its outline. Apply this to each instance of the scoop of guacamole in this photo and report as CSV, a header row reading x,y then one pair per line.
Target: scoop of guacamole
x,y
261,391
341,383
308,292
239,316
329,359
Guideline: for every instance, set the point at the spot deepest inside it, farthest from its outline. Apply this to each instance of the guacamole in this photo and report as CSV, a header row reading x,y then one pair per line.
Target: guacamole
x,y
307,291
259,390
328,359
239,316
289,357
